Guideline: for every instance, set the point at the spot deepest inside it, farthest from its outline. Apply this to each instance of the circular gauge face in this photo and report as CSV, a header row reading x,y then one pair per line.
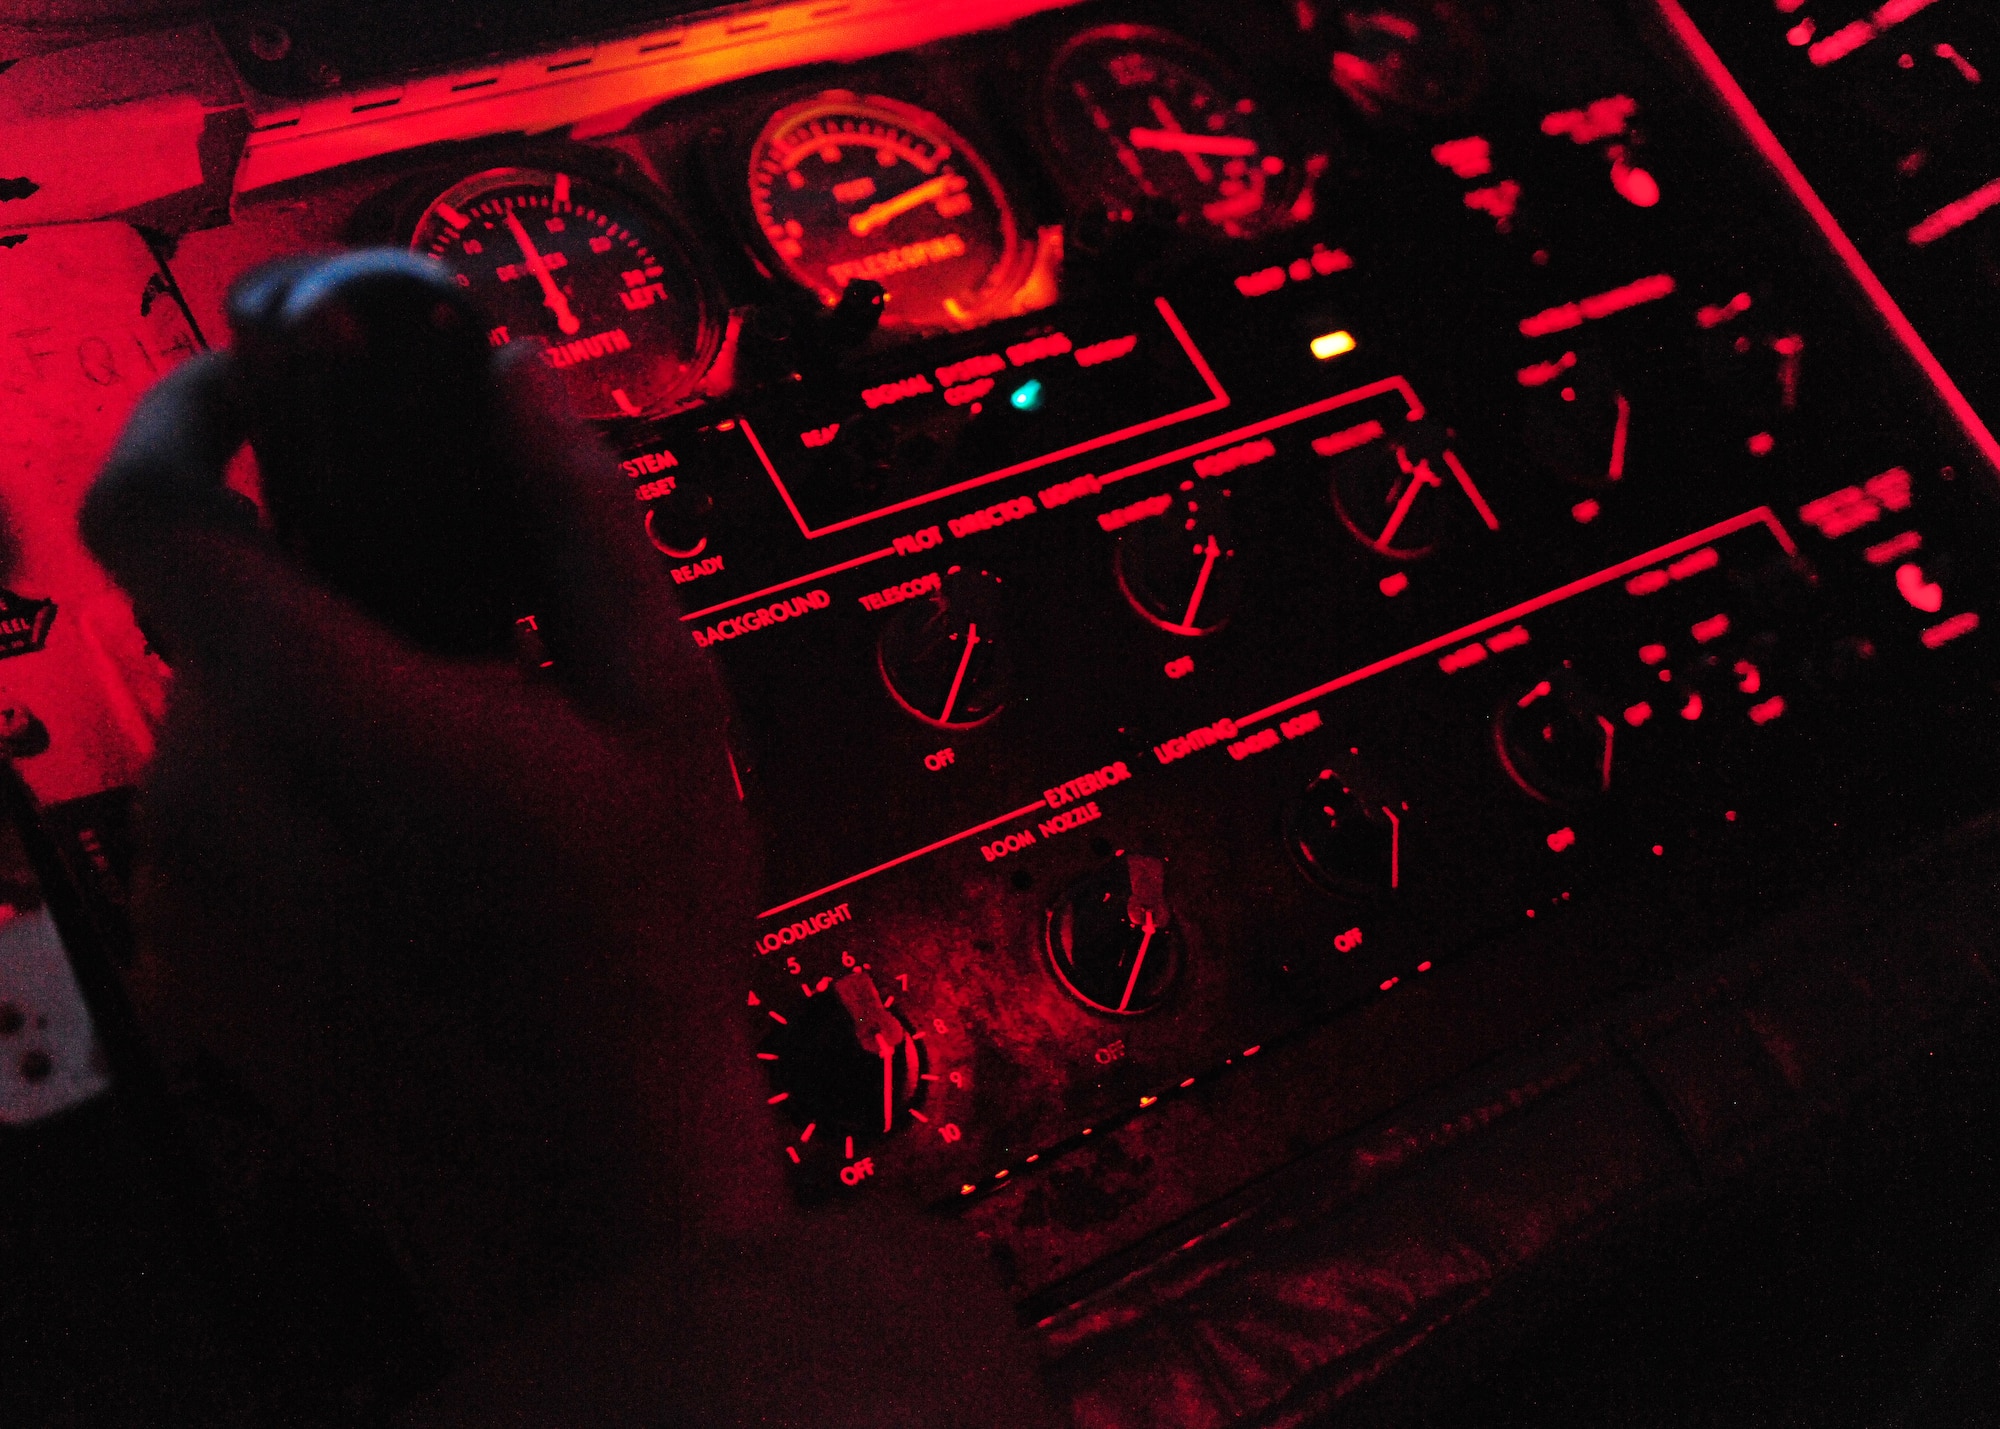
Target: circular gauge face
x,y
845,187
586,275
1149,124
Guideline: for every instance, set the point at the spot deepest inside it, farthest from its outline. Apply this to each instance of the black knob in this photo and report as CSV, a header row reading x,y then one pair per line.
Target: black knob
x,y
1557,739
1179,568
846,1062
944,657
1578,423
1402,495
1346,842
366,382
1111,938
678,523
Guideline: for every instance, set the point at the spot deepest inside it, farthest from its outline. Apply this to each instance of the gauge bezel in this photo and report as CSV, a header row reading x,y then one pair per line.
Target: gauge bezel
x,y
998,296
664,236
1074,172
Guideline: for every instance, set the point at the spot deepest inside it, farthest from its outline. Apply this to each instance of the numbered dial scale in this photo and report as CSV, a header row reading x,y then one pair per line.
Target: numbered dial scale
x,y
1146,123
585,274
844,187
858,1058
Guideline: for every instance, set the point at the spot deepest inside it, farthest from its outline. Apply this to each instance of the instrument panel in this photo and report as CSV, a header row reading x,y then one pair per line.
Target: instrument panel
x,y
1211,527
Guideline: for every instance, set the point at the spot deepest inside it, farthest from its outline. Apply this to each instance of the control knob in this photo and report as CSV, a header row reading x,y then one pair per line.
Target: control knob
x,y
944,658
1111,938
1347,844
846,1062
1557,740
1179,569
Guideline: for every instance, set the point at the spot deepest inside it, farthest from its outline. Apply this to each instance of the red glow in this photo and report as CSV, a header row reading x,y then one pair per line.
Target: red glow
x,y
1955,215
1756,516
1652,654
1600,119
1761,444
1467,158
1716,316
1585,512
1601,305
1714,628
1472,492
1883,552
902,859
1766,711
1636,715
1394,585
1924,595
1849,38
1950,630
1347,440
1634,184
1499,201
1773,151
1540,374
1397,385
1561,839
1218,399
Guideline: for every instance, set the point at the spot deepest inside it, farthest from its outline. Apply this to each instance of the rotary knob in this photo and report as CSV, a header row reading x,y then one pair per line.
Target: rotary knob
x,y
1404,499
1179,569
1557,740
846,1062
944,658
1348,844
1111,938
1578,424
677,523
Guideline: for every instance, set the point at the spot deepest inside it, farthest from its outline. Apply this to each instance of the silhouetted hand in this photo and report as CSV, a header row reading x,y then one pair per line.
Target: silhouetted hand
x,y
471,930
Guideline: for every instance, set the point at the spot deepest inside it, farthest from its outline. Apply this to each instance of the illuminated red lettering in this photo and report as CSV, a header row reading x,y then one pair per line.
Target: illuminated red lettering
x,y
1463,658
897,594
1499,202
984,365
820,436
1540,374
1234,458
1891,488
1207,737
587,349
1347,439
916,541
648,463
1713,628
1466,158
752,620
1603,305
1071,819
696,570
1138,511
1037,348
1950,630
805,928
1064,492
1263,739
892,392
968,392
1257,284
1600,119
1010,843
1713,316
1110,350
1883,552
1507,639
1300,724
1086,784
998,514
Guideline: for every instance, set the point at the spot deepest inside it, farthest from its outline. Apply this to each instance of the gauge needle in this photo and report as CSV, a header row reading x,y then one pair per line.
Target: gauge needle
x,y
888,1081
879,214
1620,434
1201,581
551,294
951,700
1421,477
1138,961
1177,141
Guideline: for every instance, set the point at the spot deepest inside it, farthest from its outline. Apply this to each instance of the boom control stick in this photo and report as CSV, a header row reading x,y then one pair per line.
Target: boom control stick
x,y
367,385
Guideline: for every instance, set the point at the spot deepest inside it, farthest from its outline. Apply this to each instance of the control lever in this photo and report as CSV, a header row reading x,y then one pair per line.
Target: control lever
x,y
367,385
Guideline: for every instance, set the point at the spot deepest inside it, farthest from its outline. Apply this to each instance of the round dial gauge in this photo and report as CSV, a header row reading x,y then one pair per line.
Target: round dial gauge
x,y
1148,123
582,272
844,187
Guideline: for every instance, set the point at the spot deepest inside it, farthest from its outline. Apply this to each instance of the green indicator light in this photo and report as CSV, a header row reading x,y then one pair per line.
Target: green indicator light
x,y
1028,396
